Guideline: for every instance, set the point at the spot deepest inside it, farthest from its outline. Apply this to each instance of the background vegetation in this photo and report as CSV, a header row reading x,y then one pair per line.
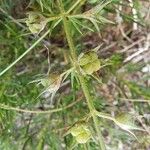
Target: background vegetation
x,y
43,101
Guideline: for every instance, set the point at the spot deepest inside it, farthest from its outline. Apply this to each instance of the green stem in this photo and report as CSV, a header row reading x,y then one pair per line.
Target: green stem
x,y
92,110
70,40
86,93
67,31
85,147
81,77
42,133
100,136
6,107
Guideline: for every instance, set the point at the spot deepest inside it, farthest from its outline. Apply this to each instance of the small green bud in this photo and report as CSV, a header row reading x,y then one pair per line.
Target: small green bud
x,y
89,62
81,133
76,130
83,137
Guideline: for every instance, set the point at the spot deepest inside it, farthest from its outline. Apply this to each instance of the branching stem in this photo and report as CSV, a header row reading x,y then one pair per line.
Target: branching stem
x,y
81,77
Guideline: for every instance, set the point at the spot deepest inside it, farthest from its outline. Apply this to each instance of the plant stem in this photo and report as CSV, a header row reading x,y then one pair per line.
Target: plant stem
x,y
81,77
70,40
92,109
67,31
100,136
42,133
6,107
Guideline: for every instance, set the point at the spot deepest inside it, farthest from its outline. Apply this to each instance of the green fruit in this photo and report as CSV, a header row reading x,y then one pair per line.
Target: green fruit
x,y
83,137
36,22
89,62
81,133
76,130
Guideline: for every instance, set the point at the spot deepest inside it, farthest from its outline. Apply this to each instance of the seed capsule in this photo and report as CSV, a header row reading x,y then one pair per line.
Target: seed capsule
x,y
89,62
81,133
36,22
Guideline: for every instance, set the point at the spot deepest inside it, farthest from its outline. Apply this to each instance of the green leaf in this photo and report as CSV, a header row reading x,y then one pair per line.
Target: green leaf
x,y
98,8
76,25
104,20
91,18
